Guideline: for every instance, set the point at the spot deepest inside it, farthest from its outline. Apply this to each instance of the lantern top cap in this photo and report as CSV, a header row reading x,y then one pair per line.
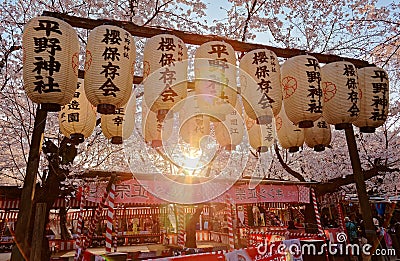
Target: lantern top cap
x,y
163,35
42,17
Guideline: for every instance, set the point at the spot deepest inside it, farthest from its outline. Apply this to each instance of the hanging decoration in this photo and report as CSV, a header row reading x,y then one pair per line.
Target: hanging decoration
x,y
155,131
109,68
341,94
261,136
215,79
374,106
260,85
229,133
319,136
194,125
301,89
50,60
289,135
77,119
165,73
119,125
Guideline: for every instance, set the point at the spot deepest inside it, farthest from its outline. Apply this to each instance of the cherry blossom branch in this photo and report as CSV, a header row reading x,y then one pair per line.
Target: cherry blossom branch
x,y
249,15
286,167
157,11
185,19
375,21
333,184
4,61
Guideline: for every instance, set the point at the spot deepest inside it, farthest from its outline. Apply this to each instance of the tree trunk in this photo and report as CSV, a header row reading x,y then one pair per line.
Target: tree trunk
x,y
50,190
22,248
38,232
65,233
191,228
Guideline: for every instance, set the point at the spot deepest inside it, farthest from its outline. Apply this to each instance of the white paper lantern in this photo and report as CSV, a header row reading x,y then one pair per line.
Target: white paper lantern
x,y
289,135
301,90
109,68
261,136
193,124
155,130
319,136
374,107
164,72
119,126
229,133
215,78
51,60
78,118
260,85
340,90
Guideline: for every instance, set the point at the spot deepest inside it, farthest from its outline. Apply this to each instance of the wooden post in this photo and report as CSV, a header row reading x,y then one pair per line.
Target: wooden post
x,y
361,188
21,248
38,230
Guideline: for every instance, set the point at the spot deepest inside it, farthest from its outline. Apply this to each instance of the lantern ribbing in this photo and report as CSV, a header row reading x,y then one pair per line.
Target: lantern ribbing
x,y
165,68
51,60
215,79
319,136
260,84
289,135
374,105
109,67
301,89
341,95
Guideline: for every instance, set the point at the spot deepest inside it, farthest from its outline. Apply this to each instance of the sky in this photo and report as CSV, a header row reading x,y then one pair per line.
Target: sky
x,y
215,12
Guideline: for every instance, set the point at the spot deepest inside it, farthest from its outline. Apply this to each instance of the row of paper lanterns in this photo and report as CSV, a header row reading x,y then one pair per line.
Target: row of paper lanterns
x,y
346,94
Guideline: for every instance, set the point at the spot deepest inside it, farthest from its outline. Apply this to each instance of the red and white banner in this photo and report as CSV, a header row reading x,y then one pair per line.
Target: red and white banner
x,y
131,191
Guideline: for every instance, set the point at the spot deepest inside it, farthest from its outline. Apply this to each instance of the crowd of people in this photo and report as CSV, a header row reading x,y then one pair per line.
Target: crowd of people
x,y
388,236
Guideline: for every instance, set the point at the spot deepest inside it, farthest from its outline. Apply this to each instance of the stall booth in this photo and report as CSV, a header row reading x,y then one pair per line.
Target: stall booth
x,y
240,217
268,208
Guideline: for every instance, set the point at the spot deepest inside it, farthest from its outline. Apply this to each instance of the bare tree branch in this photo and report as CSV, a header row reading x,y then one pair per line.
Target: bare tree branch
x,y
286,167
334,184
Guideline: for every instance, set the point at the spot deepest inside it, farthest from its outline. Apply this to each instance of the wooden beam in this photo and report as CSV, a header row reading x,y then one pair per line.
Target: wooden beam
x,y
198,39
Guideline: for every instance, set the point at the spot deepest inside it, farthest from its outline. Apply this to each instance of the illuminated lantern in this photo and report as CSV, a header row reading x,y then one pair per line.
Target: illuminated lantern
x,y
319,136
193,124
109,67
289,135
155,131
374,107
50,59
340,94
215,78
164,72
229,133
261,136
119,126
260,85
301,90
78,118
